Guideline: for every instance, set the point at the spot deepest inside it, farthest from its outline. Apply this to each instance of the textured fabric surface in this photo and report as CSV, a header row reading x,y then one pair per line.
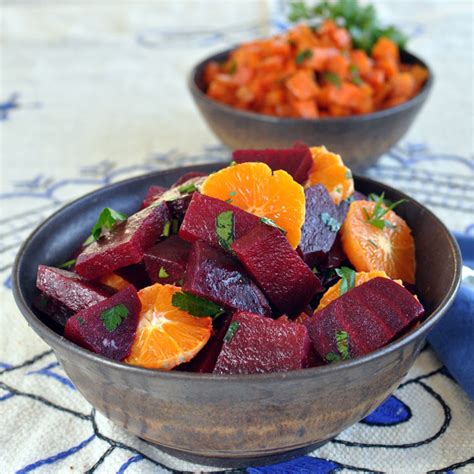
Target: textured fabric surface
x,y
94,92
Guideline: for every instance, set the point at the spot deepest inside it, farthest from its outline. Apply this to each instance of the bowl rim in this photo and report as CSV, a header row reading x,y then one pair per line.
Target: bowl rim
x,y
46,333
196,91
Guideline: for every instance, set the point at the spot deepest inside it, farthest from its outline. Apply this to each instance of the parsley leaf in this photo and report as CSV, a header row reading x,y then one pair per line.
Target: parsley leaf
x,y
163,273
107,218
166,229
382,206
187,188
342,344
225,229
229,335
303,55
232,68
195,305
333,78
80,320
272,223
355,76
68,264
113,317
348,279
333,224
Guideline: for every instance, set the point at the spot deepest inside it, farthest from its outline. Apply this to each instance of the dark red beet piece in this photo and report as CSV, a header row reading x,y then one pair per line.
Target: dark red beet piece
x,y
166,261
214,275
286,280
321,225
297,161
262,345
188,176
372,315
200,220
153,193
135,274
107,328
70,289
124,244
54,309
178,207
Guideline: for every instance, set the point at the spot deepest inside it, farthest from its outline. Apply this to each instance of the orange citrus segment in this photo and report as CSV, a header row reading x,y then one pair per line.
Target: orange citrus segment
x,y
391,249
114,281
329,170
254,188
361,277
166,336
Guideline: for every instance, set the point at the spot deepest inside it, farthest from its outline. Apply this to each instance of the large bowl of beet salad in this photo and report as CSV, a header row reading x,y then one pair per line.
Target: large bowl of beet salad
x,y
180,292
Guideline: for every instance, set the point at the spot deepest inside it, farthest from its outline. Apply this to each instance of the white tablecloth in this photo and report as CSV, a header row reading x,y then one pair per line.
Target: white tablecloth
x,y
93,92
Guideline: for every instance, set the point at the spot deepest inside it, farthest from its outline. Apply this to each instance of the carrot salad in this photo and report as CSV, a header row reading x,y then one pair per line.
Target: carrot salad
x,y
312,73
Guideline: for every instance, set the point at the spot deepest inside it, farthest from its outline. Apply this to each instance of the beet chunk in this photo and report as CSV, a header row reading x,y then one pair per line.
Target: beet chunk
x,y
367,317
178,207
166,261
321,225
200,220
261,345
107,328
69,289
214,275
153,193
296,161
278,269
54,309
135,274
124,244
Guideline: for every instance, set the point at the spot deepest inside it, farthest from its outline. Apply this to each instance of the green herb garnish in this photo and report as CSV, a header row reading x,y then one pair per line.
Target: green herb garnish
x,y
107,218
67,264
195,305
163,273
361,21
342,343
225,229
233,68
333,78
113,317
166,229
231,194
229,335
355,76
187,188
303,55
80,320
333,224
348,174
272,223
315,270
382,206
347,279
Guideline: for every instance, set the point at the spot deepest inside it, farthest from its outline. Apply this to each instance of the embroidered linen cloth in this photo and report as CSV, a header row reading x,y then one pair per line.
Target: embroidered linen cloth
x,y
95,92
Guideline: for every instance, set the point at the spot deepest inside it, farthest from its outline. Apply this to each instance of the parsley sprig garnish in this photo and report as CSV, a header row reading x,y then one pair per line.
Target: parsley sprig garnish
x,y
303,56
382,206
347,279
225,229
68,264
195,305
233,328
342,344
106,220
272,223
113,317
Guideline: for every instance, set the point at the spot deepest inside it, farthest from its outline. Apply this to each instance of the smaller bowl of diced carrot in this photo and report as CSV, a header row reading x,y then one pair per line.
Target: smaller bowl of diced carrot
x,y
313,85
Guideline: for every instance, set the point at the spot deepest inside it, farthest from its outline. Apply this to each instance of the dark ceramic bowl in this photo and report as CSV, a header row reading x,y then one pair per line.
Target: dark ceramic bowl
x,y
234,419
359,139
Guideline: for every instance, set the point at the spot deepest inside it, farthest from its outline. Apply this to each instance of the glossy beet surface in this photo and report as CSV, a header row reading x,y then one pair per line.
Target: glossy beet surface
x,y
153,193
286,280
257,345
107,328
69,289
371,315
53,309
215,275
297,160
124,244
166,261
235,420
200,220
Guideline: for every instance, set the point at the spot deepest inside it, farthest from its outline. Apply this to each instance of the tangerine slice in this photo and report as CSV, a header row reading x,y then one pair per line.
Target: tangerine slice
x,y
361,277
254,188
166,336
329,170
391,249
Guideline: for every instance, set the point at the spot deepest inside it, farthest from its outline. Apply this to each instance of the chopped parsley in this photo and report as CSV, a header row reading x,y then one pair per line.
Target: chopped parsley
x,y
272,223
342,344
68,264
231,194
232,68
163,273
315,270
113,317
333,224
355,76
333,78
80,320
303,56
347,279
195,305
348,174
229,335
106,220
187,188
166,229
382,206
225,229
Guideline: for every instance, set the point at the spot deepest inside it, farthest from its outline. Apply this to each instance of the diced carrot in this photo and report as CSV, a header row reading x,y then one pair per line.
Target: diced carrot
x,y
389,66
211,71
305,108
361,61
320,56
302,85
402,85
338,65
385,48
375,77
347,95
341,38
